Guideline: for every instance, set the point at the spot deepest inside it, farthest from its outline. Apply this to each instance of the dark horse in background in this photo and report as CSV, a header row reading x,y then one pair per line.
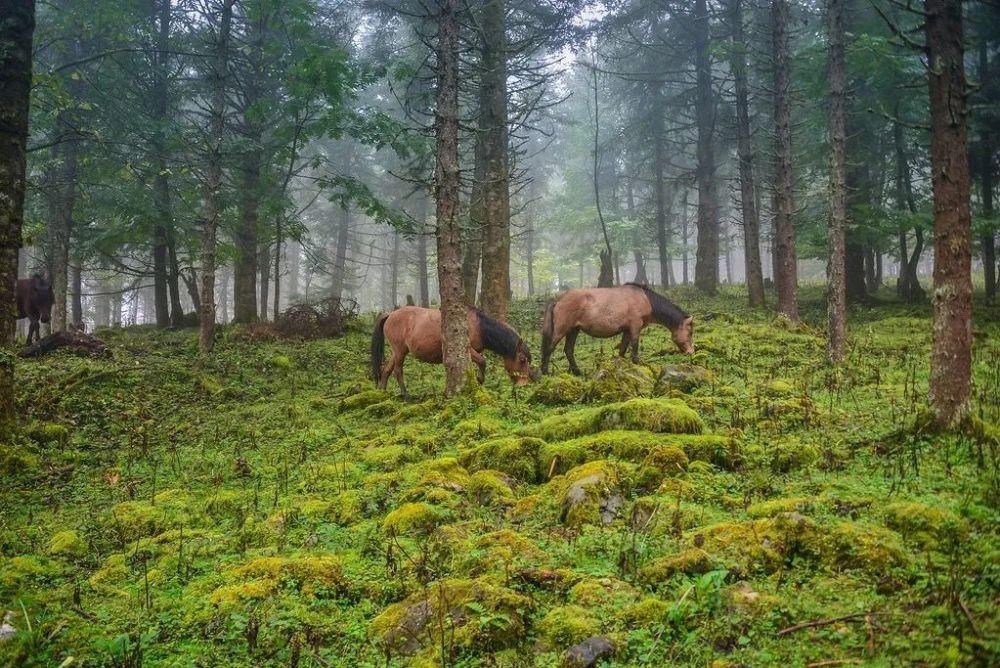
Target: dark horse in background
x,y
34,299
606,312
417,330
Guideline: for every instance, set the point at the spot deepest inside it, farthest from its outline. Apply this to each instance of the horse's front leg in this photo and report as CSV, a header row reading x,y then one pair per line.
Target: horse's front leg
x,y
33,328
623,346
634,334
480,362
570,348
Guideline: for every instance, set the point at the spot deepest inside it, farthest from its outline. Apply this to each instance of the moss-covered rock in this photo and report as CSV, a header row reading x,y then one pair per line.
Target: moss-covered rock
x,y
779,388
774,507
558,390
590,494
669,459
620,380
604,594
490,488
363,399
414,519
925,525
656,415
501,552
862,547
68,545
684,378
692,561
46,433
477,615
791,455
16,571
478,426
310,576
647,612
517,456
567,625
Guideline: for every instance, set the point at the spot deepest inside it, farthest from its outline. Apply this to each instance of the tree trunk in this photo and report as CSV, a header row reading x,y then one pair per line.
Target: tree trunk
x,y
706,268
340,258
684,235
394,269
836,283
61,199
951,351
264,257
292,261
495,290
423,288
277,268
748,203
786,278
163,218
213,180
76,294
606,276
986,178
659,159
529,248
454,319
16,31
174,282
246,266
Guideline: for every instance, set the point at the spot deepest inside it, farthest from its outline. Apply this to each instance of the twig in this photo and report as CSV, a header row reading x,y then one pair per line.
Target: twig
x,y
968,615
823,622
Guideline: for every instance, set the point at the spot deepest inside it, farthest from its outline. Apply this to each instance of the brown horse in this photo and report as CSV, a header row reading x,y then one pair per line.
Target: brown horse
x,y
34,299
417,330
605,312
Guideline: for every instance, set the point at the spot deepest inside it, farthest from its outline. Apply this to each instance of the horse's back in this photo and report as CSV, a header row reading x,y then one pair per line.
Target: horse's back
x,y
603,312
417,329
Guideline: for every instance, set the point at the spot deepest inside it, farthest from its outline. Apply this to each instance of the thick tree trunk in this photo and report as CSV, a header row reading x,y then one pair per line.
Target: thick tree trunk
x,y
495,289
16,31
454,319
836,283
854,270
706,269
951,350
784,209
213,179
744,149
292,261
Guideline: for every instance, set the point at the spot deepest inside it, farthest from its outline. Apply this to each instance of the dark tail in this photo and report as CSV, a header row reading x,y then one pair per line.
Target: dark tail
x,y
378,347
548,328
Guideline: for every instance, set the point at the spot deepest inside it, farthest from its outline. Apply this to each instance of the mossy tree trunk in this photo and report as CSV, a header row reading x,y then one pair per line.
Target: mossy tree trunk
x,y
951,350
837,286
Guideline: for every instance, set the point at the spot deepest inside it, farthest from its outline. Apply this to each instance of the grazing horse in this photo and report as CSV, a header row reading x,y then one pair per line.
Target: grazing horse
x,y
605,312
34,299
417,330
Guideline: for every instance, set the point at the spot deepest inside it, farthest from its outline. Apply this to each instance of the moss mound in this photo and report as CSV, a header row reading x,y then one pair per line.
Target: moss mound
x,y
620,380
567,625
656,415
558,390
517,456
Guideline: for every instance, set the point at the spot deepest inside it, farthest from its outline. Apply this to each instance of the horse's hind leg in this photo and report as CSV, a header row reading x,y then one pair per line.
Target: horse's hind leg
x,y
570,347
634,335
623,346
398,374
33,328
480,362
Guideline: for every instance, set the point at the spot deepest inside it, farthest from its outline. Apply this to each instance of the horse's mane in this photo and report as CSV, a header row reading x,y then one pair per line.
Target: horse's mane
x,y
497,336
664,310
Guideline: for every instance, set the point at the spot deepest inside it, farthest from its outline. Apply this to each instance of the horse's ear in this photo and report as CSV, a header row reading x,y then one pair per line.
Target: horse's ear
x,y
688,321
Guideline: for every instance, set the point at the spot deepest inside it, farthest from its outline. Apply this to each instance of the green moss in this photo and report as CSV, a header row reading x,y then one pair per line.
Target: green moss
x,y
650,611
490,488
558,390
785,505
67,544
682,378
477,616
779,388
109,577
516,456
310,576
669,459
788,456
604,594
363,399
692,561
17,460
590,494
414,519
47,433
867,548
390,457
620,380
499,552
925,525
657,415
17,571
225,502
478,427
567,625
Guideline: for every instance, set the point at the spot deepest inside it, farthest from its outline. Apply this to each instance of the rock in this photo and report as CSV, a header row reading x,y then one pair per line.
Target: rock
x,y
7,629
567,625
592,494
620,380
681,378
588,652
558,390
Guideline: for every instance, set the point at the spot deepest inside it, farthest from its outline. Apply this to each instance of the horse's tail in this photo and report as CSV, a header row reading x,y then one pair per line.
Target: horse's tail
x,y
378,347
548,327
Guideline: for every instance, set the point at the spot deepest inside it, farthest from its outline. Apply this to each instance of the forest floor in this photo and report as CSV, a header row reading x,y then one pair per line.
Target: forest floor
x,y
267,506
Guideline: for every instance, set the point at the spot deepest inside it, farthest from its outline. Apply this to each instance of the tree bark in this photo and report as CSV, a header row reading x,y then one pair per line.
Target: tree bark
x,y
951,350
16,32
167,295
986,181
786,278
748,203
495,289
423,287
454,318
213,180
337,279
61,197
659,160
246,266
836,283
76,294
706,268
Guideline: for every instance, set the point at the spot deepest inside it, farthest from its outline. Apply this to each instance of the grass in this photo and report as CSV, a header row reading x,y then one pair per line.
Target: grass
x,y
266,506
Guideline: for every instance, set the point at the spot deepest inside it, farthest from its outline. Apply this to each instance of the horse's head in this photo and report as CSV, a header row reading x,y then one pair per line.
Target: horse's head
x,y
683,335
42,297
518,365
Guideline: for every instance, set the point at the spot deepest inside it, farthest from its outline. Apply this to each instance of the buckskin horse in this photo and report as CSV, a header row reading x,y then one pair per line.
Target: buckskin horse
x,y
34,299
606,312
417,330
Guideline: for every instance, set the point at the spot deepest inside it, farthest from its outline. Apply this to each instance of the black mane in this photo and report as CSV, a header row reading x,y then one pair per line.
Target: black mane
x,y
497,336
664,311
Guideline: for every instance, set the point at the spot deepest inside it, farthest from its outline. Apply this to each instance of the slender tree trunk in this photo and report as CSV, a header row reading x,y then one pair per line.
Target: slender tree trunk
x,y
16,31
277,268
246,266
394,268
163,221
836,283
293,261
706,268
606,276
784,205
454,322
423,288
684,233
264,258
339,275
61,200
495,289
659,159
213,179
529,247
174,282
951,350
986,176
748,203
76,294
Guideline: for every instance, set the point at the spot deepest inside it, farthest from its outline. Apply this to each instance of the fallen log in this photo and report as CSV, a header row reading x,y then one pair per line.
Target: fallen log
x,y
78,341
